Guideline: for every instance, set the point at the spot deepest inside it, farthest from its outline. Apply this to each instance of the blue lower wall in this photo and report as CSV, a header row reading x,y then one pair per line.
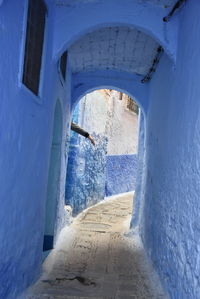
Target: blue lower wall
x,y
121,173
92,175
85,181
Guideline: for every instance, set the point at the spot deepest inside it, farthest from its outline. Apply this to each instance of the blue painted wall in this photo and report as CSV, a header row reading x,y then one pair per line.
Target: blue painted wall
x,y
26,123
120,174
85,181
140,174
171,226
92,175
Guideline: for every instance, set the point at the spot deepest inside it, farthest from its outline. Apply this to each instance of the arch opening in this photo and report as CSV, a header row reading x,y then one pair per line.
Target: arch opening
x,y
84,90
111,117
91,29
147,18
117,56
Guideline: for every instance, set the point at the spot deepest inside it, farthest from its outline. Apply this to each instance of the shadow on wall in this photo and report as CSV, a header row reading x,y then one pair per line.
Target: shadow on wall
x,y
53,179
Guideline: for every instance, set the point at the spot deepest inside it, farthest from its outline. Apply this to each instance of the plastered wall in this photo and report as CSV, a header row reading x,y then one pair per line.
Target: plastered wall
x,y
170,226
26,123
121,173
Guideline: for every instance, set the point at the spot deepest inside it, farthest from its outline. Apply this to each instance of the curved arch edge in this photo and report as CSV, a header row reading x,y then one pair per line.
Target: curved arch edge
x,y
85,82
146,17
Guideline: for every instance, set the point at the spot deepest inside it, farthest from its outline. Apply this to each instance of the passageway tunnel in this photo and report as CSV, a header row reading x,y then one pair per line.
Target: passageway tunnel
x,y
148,49
115,57
123,58
115,52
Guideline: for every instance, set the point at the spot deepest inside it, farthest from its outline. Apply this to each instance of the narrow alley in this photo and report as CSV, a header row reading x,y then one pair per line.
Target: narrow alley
x,y
126,74
96,258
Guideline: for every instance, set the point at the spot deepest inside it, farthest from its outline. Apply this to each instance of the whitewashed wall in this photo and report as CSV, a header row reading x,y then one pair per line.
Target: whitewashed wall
x,y
102,112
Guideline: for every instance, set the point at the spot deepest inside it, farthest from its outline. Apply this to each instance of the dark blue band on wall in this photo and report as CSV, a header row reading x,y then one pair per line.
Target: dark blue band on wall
x,y
120,173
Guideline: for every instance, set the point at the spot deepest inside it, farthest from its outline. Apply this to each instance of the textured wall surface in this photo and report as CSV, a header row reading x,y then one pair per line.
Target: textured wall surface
x,y
120,173
172,207
122,128
85,182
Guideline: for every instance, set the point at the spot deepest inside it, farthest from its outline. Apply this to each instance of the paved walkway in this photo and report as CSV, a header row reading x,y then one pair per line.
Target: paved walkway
x,y
96,258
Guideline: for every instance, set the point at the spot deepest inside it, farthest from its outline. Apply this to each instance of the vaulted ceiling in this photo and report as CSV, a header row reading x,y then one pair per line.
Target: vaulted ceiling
x,y
113,48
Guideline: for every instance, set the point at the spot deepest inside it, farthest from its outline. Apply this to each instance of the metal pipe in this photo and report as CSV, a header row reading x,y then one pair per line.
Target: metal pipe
x,y
176,6
154,65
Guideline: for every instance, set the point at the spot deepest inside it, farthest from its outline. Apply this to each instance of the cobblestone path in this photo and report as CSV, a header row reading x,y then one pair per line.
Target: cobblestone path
x,y
97,258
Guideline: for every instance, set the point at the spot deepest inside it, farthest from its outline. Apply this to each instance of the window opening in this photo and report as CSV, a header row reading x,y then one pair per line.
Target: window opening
x,y
131,105
120,96
34,44
63,64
